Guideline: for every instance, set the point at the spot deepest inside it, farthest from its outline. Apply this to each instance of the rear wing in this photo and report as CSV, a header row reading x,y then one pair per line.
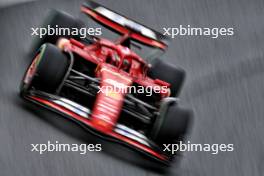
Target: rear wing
x,y
121,24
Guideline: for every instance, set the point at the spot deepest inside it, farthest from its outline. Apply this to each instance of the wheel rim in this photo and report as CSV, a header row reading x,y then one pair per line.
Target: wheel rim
x,y
31,71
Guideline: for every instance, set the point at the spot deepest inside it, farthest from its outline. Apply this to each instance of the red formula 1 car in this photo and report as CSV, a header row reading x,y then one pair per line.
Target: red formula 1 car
x,y
96,82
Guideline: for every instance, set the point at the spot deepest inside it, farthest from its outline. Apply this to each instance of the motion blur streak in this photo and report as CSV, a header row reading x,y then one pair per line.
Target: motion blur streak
x,y
224,86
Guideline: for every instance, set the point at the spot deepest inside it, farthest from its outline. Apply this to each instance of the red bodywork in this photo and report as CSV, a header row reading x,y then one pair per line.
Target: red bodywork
x,y
108,106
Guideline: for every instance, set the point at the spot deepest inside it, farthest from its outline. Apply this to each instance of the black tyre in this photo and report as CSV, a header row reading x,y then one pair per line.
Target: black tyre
x,y
172,126
57,19
169,73
47,70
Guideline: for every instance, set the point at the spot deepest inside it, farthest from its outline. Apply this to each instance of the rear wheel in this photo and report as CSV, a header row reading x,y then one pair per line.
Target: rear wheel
x,y
46,71
55,20
169,73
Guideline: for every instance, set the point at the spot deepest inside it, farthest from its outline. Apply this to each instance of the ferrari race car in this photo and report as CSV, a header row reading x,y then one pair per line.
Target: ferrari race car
x,y
96,81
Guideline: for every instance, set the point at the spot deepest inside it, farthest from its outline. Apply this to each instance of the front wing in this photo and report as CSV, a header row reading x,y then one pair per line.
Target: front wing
x,y
78,113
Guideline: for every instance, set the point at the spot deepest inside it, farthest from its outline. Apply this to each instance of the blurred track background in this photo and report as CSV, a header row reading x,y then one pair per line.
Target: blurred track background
x,y
224,87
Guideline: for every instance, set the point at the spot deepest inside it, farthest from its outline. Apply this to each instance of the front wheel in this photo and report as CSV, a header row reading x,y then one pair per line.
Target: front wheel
x,y
46,71
172,125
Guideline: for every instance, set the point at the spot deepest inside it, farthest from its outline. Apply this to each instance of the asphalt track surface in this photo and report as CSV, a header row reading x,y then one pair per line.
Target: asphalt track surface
x,y
224,87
